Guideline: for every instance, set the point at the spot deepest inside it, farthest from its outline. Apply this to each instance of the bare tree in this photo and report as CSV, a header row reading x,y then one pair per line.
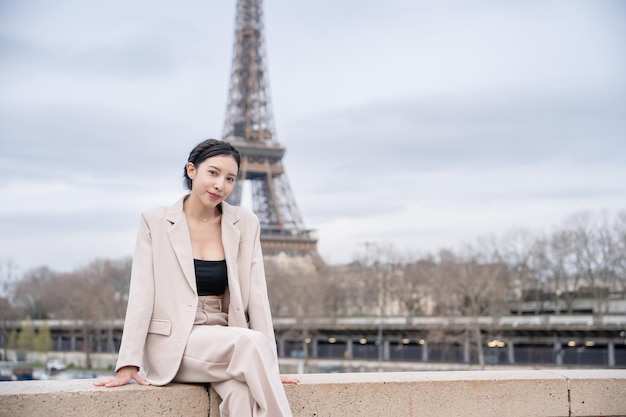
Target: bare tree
x,y
8,277
619,261
90,295
383,275
448,299
559,264
592,247
484,283
518,250
413,286
112,278
31,292
295,288
350,289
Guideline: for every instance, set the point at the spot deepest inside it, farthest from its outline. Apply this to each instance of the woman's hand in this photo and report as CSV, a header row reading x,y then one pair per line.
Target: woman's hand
x,y
122,377
289,380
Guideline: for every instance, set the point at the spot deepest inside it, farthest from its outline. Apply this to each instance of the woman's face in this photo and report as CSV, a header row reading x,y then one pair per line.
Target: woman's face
x,y
213,179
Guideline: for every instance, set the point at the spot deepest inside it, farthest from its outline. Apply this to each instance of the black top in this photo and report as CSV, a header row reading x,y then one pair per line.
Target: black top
x,y
211,277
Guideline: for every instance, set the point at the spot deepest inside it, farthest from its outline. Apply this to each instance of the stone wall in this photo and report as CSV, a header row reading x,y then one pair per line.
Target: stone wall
x,y
536,393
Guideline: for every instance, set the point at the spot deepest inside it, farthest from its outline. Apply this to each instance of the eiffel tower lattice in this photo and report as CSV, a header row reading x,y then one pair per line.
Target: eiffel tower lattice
x,y
249,127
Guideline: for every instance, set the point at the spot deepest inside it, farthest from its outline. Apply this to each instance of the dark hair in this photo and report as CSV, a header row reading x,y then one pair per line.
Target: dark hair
x,y
208,149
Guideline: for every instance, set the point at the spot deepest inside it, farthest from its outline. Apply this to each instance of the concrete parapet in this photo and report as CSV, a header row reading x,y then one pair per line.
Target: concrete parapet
x,y
462,393
536,393
601,393
79,398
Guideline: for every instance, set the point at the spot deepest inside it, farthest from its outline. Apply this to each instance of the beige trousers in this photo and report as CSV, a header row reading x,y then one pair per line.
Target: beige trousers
x,y
239,363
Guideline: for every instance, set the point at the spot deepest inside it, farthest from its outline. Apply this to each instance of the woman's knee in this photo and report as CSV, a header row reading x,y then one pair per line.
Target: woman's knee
x,y
253,335
254,339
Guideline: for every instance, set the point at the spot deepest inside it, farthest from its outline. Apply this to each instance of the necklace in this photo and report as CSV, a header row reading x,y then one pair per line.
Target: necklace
x,y
204,219
186,210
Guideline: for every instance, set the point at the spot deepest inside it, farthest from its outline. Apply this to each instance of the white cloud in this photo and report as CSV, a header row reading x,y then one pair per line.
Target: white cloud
x,y
445,208
413,122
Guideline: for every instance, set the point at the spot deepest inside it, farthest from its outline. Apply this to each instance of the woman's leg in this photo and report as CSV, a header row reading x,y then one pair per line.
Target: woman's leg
x,y
220,353
236,398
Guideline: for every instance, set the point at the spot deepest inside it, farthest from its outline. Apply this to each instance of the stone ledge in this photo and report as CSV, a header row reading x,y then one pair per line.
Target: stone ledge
x,y
549,393
461,393
79,398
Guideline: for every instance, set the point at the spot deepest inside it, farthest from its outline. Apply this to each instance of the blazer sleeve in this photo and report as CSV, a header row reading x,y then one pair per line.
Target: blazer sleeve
x,y
140,301
259,311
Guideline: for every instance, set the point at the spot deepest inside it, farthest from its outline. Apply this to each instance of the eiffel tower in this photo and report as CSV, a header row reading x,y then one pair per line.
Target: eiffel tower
x,y
249,127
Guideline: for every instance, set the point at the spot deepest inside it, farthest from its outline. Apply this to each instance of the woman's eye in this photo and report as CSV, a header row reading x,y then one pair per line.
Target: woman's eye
x,y
230,179
212,172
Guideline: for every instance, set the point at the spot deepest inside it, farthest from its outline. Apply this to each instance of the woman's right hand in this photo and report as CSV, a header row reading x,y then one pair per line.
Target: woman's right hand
x,y
123,376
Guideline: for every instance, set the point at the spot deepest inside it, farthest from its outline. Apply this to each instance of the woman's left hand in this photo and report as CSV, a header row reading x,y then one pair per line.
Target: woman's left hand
x,y
289,380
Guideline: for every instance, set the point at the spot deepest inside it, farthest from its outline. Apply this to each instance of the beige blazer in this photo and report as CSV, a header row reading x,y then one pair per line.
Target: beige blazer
x,y
163,298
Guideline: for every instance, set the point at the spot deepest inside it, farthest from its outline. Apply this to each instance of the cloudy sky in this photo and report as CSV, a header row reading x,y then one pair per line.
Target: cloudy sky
x,y
418,123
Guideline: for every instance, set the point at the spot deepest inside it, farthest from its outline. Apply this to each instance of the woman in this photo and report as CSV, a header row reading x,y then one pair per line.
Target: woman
x,y
198,309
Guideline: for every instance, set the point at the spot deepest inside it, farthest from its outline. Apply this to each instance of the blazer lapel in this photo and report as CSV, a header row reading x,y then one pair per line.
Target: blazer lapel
x,y
230,241
181,242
